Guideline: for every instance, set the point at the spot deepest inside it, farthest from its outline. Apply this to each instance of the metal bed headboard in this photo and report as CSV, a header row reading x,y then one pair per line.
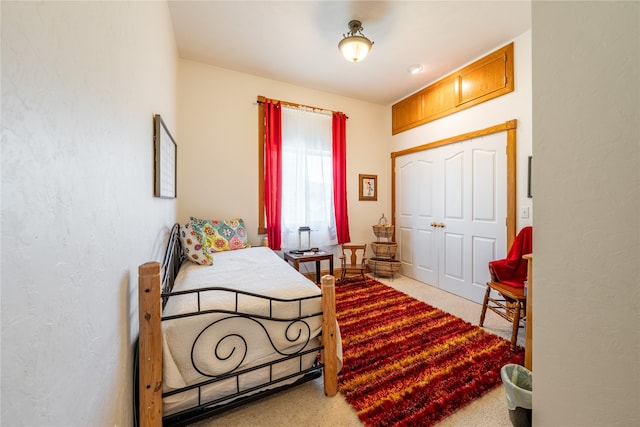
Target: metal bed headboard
x,y
173,259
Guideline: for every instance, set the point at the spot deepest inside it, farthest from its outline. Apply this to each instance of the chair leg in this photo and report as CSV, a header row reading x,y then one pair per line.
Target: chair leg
x,y
484,305
516,325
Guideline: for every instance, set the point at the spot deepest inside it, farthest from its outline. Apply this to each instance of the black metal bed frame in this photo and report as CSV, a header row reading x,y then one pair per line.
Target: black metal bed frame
x,y
292,328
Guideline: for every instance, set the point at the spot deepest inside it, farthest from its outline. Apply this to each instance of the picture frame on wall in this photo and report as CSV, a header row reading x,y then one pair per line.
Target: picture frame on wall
x,y
165,160
368,187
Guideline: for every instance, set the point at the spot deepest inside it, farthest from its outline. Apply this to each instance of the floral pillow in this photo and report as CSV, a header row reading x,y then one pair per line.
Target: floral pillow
x,y
192,246
221,236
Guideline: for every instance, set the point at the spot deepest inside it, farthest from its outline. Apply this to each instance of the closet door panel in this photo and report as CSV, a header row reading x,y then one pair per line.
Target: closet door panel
x,y
426,263
453,260
484,203
417,243
453,186
425,177
455,253
484,250
488,199
405,249
405,217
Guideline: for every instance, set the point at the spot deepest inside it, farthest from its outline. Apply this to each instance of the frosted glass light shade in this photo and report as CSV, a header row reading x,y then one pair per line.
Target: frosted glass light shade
x,y
355,48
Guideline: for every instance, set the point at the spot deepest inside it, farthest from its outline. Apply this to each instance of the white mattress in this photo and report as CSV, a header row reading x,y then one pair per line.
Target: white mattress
x,y
258,270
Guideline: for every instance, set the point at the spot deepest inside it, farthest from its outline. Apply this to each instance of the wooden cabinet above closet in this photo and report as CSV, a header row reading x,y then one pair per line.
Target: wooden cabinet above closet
x,y
485,79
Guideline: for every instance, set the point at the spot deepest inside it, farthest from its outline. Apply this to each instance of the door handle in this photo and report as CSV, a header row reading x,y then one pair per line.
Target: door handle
x,y
438,224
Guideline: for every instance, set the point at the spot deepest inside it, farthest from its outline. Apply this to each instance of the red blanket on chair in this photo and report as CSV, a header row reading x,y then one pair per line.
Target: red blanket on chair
x,y
513,269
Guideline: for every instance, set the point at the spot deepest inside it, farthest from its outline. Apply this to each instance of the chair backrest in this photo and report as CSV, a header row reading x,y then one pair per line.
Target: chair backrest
x,y
354,254
513,269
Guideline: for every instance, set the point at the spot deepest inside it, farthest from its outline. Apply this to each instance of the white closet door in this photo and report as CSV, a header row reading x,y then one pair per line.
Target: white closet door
x,y
419,190
451,216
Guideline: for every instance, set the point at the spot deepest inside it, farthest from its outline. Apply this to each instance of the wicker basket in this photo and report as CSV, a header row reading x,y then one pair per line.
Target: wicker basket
x,y
383,231
384,249
384,267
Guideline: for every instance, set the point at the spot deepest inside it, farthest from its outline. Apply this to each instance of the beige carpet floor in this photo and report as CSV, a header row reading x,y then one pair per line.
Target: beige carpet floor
x,y
307,406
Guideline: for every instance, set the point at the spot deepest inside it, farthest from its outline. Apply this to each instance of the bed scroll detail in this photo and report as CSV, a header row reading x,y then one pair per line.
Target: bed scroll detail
x,y
289,338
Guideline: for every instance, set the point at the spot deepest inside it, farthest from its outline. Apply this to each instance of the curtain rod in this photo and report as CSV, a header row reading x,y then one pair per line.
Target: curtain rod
x,y
262,100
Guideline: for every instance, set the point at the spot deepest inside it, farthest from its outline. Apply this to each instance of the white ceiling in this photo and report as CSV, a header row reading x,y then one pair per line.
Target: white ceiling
x,y
297,41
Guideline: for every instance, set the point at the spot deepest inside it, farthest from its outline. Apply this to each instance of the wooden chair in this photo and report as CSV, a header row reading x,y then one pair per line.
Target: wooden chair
x,y
353,260
510,305
507,280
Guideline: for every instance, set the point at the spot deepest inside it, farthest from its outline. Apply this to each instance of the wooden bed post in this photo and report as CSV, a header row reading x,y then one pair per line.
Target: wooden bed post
x,y
329,335
150,346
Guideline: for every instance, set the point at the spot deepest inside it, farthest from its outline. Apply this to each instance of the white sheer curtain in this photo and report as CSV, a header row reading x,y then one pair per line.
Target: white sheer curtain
x,y
307,181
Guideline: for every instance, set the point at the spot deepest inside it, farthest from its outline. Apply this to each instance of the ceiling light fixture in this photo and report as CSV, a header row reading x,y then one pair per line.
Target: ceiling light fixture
x,y
355,46
415,69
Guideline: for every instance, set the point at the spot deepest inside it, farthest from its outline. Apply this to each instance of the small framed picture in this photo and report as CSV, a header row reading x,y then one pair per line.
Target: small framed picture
x,y
165,160
368,187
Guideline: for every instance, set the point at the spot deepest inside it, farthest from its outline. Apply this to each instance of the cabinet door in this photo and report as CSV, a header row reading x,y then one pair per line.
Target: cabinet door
x,y
406,113
440,99
483,78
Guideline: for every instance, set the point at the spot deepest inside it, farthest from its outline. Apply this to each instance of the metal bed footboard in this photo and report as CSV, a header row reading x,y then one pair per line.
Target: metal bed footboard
x,y
294,329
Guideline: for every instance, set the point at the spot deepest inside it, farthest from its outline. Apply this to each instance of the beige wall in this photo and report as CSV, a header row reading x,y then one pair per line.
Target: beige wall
x,y
218,146
80,84
586,140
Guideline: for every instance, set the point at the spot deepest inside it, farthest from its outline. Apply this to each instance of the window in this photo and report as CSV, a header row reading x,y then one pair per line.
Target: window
x,y
307,177
302,174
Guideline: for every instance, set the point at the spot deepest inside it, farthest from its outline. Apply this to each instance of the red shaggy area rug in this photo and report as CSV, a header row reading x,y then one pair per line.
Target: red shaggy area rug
x,y
406,363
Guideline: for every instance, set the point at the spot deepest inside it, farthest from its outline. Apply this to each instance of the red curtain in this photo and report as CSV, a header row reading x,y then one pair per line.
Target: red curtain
x,y
273,172
339,153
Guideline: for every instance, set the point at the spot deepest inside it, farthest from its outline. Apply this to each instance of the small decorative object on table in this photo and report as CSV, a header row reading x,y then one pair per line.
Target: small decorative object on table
x,y
307,245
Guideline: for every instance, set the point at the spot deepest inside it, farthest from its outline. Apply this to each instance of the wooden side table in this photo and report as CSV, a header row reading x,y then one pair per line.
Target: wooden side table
x,y
316,257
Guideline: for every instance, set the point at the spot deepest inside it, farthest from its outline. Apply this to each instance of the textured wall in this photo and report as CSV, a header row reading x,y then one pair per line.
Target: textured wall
x,y
586,109
80,84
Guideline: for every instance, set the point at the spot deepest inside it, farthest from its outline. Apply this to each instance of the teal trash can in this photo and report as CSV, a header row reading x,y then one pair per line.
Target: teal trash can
x,y
518,389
